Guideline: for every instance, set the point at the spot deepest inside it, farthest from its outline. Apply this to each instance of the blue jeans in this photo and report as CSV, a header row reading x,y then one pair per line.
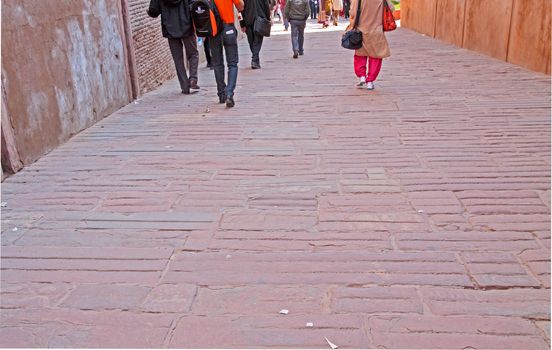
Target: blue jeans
x,y
227,39
313,9
297,34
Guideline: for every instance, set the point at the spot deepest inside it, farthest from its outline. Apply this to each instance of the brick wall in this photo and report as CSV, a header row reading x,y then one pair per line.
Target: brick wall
x,y
154,64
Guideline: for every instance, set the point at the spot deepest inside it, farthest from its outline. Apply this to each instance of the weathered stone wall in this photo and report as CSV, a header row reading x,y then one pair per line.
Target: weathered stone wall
x,y
517,31
67,64
64,67
154,63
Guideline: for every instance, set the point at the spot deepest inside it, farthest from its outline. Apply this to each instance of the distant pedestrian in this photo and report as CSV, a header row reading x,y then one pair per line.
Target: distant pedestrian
x,y
346,8
313,9
252,10
275,6
227,40
374,44
297,11
176,26
337,7
282,9
325,10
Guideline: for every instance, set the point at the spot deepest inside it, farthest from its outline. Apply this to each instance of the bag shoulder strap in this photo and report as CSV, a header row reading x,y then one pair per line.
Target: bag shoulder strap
x,y
357,14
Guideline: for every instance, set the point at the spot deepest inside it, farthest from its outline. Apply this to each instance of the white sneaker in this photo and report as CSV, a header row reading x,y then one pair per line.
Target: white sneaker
x,y
361,83
370,85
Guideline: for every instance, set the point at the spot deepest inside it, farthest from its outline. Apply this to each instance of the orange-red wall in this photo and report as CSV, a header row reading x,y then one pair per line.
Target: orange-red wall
x,y
516,31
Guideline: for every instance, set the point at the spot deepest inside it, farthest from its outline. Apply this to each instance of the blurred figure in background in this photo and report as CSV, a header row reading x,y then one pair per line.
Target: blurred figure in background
x,y
313,9
297,11
275,6
252,10
346,8
325,10
337,7
282,9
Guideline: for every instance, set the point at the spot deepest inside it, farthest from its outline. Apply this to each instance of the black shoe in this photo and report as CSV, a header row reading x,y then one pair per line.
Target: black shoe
x,y
295,54
255,65
222,98
193,84
186,91
230,102
301,53
209,66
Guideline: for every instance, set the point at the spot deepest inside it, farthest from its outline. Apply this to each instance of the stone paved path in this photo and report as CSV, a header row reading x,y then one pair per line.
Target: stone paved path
x,y
414,216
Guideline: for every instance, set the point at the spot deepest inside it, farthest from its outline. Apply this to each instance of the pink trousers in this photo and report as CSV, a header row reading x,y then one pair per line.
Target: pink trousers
x,y
374,67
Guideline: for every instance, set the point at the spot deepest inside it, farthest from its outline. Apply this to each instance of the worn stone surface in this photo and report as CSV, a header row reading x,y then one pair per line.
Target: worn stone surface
x,y
413,216
166,298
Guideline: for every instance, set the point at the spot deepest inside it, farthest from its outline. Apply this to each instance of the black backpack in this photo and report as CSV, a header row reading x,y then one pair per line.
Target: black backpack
x,y
206,18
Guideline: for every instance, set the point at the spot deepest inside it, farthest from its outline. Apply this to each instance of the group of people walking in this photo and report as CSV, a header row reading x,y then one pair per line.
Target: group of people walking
x,y
178,27
332,10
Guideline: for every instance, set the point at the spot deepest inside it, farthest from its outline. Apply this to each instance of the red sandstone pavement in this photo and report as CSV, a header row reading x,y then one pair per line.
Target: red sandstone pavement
x,y
413,216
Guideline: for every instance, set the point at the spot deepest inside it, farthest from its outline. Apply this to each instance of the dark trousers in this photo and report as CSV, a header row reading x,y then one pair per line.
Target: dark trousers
x,y
189,43
207,49
227,39
347,7
297,34
313,9
255,43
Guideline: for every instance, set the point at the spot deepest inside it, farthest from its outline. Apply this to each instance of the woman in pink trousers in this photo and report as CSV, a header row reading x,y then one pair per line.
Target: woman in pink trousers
x,y
369,57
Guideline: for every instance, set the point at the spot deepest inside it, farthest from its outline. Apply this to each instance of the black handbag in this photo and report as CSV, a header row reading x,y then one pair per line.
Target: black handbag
x,y
352,39
262,26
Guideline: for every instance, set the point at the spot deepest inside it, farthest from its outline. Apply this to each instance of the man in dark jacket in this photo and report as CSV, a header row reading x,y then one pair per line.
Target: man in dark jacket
x,y
177,27
297,11
252,10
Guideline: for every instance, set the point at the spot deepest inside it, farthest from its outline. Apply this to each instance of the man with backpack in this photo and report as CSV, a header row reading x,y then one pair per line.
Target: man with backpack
x,y
226,39
252,10
177,27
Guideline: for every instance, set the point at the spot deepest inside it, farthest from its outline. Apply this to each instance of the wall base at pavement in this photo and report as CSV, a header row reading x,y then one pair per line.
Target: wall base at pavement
x,y
64,67
68,64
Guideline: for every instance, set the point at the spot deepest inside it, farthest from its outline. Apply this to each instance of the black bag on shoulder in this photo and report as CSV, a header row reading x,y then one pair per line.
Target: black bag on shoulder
x,y
352,39
262,26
